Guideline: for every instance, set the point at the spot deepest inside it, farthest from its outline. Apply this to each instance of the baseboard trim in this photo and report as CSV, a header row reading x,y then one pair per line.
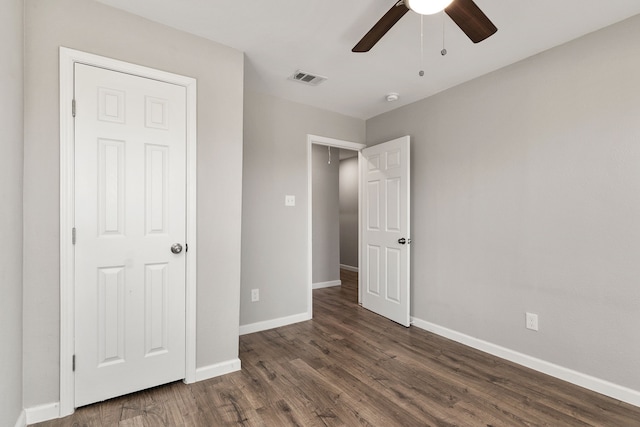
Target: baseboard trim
x,y
22,419
274,323
328,284
40,413
218,369
583,380
349,267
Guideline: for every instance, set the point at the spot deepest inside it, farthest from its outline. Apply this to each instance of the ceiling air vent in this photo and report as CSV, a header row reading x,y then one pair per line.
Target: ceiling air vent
x,y
307,78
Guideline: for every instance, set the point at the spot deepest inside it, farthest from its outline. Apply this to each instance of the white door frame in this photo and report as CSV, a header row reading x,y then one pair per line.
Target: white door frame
x,y
337,143
68,57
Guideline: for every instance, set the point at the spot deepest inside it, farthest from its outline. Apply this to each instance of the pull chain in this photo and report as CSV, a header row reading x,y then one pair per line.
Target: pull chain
x,y
421,73
443,52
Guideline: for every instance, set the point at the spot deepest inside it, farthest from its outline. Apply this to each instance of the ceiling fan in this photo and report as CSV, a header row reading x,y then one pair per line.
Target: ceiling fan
x,y
465,13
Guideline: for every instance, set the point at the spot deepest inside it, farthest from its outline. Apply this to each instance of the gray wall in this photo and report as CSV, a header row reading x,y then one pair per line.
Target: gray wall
x,y
526,197
11,120
325,214
274,237
349,211
95,28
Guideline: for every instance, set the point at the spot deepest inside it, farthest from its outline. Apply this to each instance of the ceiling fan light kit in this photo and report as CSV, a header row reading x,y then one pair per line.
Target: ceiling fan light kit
x,y
427,7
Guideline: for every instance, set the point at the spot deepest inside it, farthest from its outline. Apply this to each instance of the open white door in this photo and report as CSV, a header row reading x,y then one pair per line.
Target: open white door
x,y
385,229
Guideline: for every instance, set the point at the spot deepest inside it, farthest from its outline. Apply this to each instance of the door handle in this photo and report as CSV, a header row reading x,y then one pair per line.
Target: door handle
x,y
176,248
402,241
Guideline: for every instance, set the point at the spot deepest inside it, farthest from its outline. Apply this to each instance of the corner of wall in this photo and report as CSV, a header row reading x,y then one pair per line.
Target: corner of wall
x,y
22,419
218,369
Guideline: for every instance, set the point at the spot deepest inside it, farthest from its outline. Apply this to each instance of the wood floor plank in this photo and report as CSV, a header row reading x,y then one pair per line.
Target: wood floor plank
x,y
350,405
350,367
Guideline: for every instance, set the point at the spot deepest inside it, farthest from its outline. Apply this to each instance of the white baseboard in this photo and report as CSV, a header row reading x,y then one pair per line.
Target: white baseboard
x,y
217,369
40,413
329,284
274,323
22,419
583,380
349,267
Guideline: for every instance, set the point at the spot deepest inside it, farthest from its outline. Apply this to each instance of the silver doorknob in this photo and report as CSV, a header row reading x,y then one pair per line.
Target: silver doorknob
x,y
176,248
402,241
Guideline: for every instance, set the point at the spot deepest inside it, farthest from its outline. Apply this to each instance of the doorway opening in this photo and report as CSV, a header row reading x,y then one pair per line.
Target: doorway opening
x,y
333,214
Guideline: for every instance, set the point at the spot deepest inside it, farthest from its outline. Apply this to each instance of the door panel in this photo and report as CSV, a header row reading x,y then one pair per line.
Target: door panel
x,y
393,280
130,207
110,187
385,270
110,332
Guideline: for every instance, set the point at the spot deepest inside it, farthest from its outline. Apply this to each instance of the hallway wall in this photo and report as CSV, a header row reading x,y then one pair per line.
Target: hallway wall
x,y
349,211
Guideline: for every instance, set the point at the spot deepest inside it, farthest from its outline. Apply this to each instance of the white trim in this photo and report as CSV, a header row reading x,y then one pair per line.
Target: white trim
x,y
361,222
67,221
337,143
40,413
217,369
68,57
583,380
330,142
309,231
328,284
273,323
191,280
22,419
349,267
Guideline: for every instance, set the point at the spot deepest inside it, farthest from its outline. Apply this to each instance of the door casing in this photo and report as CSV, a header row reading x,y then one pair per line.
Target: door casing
x,y
68,57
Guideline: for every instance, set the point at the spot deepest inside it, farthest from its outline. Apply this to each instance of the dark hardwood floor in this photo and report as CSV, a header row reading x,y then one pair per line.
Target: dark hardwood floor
x,y
350,367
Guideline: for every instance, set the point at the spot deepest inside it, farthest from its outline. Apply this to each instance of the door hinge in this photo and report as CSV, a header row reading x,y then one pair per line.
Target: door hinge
x,y
73,107
73,363
73,236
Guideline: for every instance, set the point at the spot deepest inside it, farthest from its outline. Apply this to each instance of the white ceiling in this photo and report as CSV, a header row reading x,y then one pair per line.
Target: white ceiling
x,y
281,36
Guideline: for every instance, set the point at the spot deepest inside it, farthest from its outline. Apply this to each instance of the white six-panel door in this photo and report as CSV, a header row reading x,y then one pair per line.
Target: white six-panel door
x,y
385,222
130,152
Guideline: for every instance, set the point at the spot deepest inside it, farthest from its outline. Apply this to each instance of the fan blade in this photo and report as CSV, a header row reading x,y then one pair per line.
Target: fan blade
x,y
385,23
471,20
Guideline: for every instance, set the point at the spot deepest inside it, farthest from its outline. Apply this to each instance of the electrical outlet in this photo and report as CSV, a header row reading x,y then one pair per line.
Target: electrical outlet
x,y
255,295
532,321
289,200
